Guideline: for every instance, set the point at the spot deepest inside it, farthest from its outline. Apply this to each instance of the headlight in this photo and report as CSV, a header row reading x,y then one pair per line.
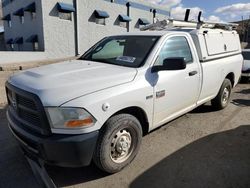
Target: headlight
x,y
71,118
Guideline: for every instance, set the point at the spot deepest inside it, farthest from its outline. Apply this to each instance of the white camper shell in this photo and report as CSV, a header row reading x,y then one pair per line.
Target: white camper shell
x,y
215,43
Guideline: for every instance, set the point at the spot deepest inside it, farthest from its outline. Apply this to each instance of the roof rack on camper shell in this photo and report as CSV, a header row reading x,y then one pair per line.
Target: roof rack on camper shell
x,y
173,23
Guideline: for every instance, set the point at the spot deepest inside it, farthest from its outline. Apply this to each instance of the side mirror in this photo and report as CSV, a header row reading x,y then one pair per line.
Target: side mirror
x,y
176,63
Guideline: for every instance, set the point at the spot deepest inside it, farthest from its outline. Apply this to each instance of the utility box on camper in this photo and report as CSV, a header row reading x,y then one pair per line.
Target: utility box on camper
x,y
98,106
215,43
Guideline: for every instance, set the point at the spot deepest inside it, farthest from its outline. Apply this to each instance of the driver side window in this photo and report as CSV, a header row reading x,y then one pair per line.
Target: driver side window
x,y
175,47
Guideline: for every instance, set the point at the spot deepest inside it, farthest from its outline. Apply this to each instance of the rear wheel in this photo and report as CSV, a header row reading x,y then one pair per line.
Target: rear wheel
x,y
118,143
222,99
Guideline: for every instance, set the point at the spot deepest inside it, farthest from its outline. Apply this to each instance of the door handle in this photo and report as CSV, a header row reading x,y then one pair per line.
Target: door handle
x,y
192,73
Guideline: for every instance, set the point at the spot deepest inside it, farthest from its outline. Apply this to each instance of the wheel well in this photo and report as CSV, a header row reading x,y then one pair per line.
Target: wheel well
x,y
139,114
230,76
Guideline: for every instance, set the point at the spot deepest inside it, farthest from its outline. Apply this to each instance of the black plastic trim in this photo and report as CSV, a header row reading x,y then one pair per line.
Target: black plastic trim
x,y
45,129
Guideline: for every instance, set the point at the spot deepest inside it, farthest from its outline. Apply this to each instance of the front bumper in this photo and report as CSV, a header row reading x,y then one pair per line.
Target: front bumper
x,y
55,149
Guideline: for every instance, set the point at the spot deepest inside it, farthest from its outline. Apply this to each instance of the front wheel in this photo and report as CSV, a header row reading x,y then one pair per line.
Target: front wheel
x,y
223,97
118,143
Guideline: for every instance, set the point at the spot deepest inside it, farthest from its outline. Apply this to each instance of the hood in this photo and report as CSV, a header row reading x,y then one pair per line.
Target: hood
x,y
58,83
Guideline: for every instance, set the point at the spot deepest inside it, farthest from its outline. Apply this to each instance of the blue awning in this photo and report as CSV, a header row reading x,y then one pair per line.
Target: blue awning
x,y
30,8
10,41
66,8
101,14
18,40
32,39
124,18
143,21
7,17
19,12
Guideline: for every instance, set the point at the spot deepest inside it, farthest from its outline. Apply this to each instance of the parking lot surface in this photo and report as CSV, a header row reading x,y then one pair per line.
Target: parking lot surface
x,y
204,148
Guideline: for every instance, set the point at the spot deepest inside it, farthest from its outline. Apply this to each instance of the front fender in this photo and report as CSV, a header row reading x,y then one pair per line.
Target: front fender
x,y
115,99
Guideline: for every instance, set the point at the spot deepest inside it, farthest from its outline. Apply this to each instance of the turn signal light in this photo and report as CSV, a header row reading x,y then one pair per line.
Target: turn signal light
x,y
79,123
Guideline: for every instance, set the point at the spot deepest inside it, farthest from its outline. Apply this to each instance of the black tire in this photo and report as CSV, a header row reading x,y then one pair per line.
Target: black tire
x,y
244,79
220,101
118,124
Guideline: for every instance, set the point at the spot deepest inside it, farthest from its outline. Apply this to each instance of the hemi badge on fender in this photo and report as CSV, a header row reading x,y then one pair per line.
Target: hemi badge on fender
x,y
160,94
149,97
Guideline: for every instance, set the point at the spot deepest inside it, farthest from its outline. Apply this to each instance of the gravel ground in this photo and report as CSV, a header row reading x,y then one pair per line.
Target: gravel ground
x,y
204,148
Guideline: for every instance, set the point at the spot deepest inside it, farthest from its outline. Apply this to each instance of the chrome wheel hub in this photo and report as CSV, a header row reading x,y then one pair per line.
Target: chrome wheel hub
x,y
121,146
225,95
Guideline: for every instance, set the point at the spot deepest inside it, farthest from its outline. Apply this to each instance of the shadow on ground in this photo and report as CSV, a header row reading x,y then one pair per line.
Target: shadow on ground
x,y
14,169
241,102
63,177
205,108
244,91
218,160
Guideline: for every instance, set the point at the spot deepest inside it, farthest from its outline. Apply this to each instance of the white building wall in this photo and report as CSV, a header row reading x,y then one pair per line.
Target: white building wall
x,y
59,34
90,32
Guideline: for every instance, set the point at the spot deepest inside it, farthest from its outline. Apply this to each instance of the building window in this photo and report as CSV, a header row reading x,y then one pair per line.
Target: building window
x,y
22,19
143,21
101,16
34,40
20,13
10,43
32,9
65,16
8,19
35,46
124,19
19,42
9,23
65,11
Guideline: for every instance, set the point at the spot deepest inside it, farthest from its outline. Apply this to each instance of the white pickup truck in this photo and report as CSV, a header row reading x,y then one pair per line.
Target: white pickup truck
x,y
99,106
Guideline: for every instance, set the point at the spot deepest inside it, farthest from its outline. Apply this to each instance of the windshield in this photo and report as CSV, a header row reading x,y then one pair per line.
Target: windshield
x,y
246,55
129,51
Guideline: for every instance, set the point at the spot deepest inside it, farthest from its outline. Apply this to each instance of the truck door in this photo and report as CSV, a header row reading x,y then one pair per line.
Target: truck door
x,y
176,91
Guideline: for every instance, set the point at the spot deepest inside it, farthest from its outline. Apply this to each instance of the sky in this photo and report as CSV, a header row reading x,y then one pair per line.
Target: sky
x,y
213,10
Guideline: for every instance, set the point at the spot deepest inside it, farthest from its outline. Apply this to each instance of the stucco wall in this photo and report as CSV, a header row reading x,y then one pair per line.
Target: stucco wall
x,y
59,33
30,26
